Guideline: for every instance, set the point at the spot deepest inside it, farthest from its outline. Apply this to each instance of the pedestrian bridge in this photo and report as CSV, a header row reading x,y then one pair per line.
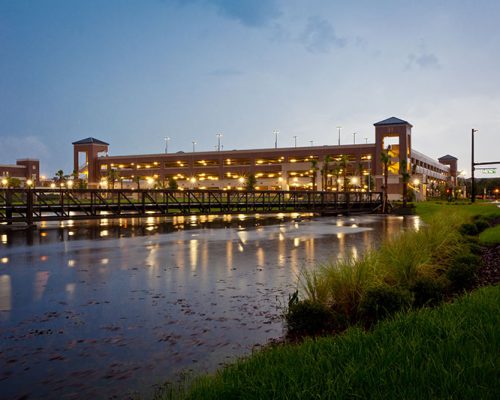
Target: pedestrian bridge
x,y
41,204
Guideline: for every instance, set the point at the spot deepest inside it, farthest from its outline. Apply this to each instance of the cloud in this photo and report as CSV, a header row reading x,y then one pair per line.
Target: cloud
x,y
319,36
423,61
252,13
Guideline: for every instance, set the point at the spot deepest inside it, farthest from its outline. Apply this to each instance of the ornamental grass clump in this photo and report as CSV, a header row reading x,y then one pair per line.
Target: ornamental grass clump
x,y
341,284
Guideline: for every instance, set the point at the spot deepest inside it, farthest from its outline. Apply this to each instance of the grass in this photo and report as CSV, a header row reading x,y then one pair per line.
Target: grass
x,y
446,352
490,236
428,209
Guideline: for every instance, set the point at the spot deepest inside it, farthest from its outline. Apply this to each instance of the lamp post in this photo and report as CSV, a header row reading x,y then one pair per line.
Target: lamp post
x,y
166,144
339,128
295,140
354,137
219,135
369,172
194,144
473,185
312,142
275,138
366,140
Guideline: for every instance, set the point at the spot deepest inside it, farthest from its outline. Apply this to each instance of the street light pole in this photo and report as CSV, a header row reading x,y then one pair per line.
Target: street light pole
x,y
166,144
275,138
354,136
194,144
339,128
219,135
295,140
473,184
312,142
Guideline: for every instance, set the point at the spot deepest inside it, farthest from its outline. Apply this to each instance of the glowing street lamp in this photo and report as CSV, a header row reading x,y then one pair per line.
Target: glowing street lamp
x,y
5,182
70,184
167,139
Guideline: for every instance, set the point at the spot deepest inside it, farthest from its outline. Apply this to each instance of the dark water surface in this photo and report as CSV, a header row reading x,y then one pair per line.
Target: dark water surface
x,y
111,308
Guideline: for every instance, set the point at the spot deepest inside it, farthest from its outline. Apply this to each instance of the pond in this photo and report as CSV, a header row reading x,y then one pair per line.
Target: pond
x,y
110,309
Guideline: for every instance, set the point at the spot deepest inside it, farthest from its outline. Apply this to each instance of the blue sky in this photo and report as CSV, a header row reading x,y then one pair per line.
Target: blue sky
x,y
132,72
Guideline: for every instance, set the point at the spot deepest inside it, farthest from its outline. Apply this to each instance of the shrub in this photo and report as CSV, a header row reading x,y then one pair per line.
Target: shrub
x,y
311,318
427,291
462,272
481,225
468,229
382,301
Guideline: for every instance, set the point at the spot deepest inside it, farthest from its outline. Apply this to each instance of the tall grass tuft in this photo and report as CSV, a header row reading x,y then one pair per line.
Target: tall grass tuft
x,y
341,284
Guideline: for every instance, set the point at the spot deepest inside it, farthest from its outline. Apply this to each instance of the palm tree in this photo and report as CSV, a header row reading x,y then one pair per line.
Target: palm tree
x,y
336,172
405,178
324,172
314,170
137,179
344,162
250,183
386,160
59,177
113,175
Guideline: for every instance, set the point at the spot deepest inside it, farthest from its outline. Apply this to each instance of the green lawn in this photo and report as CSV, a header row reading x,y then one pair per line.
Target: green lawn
x,y
490,236
428,209
442,353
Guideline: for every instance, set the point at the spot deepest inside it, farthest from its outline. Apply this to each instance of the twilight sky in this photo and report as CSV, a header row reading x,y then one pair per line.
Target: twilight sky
x,y
131,72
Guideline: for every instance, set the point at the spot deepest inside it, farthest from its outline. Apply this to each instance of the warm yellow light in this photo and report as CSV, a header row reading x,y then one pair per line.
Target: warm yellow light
x,y
150,180
416,182
70,183
354,181
52,185
295,179
4,182
280,179
193,180
241,180
29,182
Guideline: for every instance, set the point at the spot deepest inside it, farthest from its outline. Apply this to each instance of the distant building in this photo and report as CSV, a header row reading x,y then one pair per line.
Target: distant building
x,y
24,170
346,167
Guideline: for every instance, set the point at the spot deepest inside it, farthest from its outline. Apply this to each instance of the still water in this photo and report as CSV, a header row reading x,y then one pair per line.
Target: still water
x,y
108,309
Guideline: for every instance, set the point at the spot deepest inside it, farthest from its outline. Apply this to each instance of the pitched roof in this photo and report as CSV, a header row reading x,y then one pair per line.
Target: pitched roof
x,y
392,121
90,140
447,157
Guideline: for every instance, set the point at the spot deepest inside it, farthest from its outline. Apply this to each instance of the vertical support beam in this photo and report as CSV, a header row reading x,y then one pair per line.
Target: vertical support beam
x,y
29,206
473,185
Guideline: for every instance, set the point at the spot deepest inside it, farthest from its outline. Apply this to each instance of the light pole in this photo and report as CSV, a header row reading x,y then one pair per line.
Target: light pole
x,y
295,140
275,138
312,142
354,137
473,185
366,140
369,172
194,144
219,135
339,128
166,144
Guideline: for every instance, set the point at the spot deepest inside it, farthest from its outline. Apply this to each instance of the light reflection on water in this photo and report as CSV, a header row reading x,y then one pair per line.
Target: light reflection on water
x,y
104,314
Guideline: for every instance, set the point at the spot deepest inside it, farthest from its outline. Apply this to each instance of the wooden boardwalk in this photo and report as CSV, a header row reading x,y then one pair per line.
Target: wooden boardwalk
x,y
40,204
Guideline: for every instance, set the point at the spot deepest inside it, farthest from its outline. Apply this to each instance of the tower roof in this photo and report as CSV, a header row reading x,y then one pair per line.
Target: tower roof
x,y
392,121
90,140
447,157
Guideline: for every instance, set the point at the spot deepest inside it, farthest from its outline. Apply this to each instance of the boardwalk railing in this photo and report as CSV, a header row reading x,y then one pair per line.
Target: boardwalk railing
x,y
32,205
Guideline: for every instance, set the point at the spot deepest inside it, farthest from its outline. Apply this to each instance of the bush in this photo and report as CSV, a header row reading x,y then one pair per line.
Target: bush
x,y
462,272
310,318
427,291
468,229
481,225
382,301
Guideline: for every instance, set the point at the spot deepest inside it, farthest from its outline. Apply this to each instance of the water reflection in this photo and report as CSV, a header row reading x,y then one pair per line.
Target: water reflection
x,y
189,293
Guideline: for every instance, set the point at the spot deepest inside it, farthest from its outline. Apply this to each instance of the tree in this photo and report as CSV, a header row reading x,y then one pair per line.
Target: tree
x,y
336,170
324,172
405,177
137,180
59,176
172,184
386,160
113,176
344,162
314,170
250,183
